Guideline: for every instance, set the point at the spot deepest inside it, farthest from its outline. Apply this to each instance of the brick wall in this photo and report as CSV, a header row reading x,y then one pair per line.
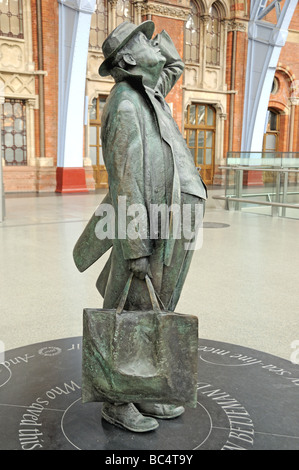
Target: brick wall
x,y
43,179
50,33
239,87
50,59
29,179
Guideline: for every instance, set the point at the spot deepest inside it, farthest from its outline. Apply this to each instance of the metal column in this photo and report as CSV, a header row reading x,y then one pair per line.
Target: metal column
x,y
265,41
74,30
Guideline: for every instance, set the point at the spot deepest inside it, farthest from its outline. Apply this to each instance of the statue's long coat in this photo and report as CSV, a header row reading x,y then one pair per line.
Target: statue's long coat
x,y
148,163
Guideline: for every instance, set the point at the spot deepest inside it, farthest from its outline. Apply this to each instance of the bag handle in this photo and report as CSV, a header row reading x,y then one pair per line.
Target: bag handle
x,y
154,295
151,290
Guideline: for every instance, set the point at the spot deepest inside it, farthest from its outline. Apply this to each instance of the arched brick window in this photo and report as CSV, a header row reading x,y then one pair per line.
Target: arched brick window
x,y
123,11
14,146
271,137
95,144
213,37
99,25
192,35
11,18
200,128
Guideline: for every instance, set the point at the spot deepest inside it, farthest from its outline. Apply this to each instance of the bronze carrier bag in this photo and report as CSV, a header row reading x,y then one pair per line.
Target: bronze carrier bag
x,y
133,356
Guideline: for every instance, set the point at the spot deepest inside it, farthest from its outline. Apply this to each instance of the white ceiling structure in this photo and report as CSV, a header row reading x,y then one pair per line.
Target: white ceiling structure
x,y
265,41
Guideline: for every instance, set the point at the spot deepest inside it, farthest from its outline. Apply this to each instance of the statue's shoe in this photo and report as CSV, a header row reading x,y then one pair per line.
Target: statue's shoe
x,y
127,416
160,411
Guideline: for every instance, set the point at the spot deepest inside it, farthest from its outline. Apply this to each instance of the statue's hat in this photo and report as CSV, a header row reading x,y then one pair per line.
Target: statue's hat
x,y
118,38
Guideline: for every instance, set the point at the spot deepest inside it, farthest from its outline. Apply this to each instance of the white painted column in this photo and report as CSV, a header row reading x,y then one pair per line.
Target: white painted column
x,y
265,41
74,30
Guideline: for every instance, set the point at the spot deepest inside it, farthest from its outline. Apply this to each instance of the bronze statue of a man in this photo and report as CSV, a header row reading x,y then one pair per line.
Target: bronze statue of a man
x,y
149,165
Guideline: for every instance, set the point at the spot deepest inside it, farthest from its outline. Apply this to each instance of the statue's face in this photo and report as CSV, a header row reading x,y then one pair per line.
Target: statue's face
x,y
146,52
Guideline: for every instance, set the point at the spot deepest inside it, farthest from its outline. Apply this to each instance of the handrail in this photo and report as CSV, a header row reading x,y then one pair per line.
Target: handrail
x,y
252,201
281,174
258,168
265,152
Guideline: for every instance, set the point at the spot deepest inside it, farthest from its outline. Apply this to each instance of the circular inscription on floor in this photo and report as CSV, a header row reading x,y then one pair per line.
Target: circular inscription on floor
x,y
215,225
246,400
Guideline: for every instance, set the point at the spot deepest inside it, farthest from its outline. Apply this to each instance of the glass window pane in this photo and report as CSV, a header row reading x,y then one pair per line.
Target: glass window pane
x,y
92,135
213,37
273,121
123,11
19,155
271,142
11,18
93,22
188,34
8,125
93,155
98,28
208,156
4,6
9,155
192,139
93,110
93,38
18,110
101,157
102,104
192,34
4,24
209,139
18,140
214,56
14,6
192,114
14,25
201,114
200,156
193,54
14,135
193,153
186,116
201,139
18,125
7,109
209,55
8,140
210,116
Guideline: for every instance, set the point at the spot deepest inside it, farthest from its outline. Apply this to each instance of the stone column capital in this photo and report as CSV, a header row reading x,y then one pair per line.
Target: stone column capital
x,y
294,101
206,18
113,3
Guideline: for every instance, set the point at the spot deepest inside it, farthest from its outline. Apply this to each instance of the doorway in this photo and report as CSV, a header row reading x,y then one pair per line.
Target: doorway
x,y
271,141
200,130
95,145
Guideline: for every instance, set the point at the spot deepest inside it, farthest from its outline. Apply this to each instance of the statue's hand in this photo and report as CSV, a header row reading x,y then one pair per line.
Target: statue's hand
x,y
140,267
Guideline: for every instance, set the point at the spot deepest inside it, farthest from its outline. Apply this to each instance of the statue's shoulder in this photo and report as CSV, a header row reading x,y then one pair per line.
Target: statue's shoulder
x,y
123,97
124,91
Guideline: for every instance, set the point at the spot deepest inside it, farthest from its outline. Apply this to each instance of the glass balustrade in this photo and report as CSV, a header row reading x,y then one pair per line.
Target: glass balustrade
x,y
262,182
